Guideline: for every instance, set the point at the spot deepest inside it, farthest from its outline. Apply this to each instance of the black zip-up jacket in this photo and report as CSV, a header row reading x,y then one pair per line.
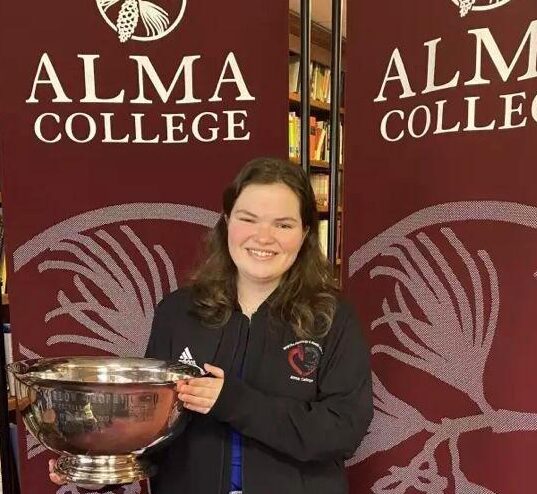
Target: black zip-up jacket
x,y
302,407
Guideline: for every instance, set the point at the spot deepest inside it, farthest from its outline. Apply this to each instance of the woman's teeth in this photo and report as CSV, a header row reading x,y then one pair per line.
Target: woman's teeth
x,y
261,253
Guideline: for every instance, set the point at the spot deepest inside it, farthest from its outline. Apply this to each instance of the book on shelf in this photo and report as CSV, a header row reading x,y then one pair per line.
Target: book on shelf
x,y
294,73
320,183
3,272
319,138
320,82
339,253
8,349
294,135
323,236
320,79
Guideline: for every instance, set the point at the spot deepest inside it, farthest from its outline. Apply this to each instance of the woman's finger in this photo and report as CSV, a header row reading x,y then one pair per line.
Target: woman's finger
x,y
204,382
57,479
201,392
215,371
203,410
196,401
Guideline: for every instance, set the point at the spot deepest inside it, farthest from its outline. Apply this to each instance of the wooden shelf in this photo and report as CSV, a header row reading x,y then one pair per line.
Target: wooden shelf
x,y
320,164
11,403
316,165
5,299
324,210
294,99
320,53
321,46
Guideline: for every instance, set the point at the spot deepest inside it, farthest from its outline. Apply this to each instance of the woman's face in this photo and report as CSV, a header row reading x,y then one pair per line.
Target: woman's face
x,y
265,232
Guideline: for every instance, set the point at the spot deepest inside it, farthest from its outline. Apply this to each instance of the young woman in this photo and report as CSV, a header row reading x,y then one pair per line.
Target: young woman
x,y
287,395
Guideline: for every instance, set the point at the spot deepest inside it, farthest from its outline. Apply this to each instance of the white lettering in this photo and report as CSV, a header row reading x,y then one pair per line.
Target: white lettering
x,y
138,130
171,127
426,126
46,64
401,76
89,78
471,125
509,110
485,38
92,127
107,121
384,126
431,70
39,133
196,126
237,79
440,119
232,124
145,65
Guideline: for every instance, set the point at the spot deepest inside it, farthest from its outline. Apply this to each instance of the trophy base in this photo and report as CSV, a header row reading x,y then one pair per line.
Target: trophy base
x,y
103,470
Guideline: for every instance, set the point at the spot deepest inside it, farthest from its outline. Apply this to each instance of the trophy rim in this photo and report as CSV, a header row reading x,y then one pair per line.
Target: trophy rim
x,y
48,371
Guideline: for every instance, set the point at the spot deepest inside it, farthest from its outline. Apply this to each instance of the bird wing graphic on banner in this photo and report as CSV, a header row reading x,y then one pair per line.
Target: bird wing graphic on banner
x,y
443,318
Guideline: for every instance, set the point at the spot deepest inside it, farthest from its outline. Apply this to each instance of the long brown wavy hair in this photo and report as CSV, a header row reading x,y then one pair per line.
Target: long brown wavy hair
x,y
306,295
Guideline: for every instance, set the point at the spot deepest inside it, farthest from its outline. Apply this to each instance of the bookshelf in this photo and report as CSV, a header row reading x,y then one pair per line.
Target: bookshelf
x,y
320,53
316,106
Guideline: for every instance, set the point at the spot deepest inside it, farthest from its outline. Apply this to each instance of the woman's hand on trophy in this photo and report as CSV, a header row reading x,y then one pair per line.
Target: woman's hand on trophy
x,y
199,394
58,479
55,477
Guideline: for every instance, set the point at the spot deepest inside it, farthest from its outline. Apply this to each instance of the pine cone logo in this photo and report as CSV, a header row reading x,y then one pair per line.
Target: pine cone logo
x,y
141,20
465,6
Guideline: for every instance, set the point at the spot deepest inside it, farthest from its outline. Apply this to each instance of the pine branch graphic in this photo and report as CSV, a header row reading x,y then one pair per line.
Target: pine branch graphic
x,y
453,340
442,290
394,422
106,4
154,18
106,271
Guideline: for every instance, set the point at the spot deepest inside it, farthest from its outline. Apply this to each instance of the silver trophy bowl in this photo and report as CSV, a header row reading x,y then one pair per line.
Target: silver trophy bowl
x,y
100,414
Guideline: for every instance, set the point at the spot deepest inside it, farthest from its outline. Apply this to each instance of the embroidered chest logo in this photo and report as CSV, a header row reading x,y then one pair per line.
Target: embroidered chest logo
x,y
303,357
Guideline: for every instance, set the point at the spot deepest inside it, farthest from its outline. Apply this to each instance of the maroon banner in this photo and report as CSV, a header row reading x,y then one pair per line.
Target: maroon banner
x,y
441,241
121,122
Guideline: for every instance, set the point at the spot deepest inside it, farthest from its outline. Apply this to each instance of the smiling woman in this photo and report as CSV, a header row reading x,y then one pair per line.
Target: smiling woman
x,y
286,397
265,234
268,238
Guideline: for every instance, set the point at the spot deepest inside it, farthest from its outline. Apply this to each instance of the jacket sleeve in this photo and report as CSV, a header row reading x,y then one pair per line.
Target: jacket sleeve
x,y
332,426
158,345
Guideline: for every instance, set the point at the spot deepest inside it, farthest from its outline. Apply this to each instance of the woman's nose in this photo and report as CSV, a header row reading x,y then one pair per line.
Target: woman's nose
x,y
264,233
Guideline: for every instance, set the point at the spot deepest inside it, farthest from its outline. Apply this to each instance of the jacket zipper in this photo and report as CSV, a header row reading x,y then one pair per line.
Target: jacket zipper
x,y
227,440
243,366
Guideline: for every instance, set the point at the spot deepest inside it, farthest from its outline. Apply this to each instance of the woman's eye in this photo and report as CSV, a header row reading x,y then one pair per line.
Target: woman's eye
x,y
248,220
284,225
